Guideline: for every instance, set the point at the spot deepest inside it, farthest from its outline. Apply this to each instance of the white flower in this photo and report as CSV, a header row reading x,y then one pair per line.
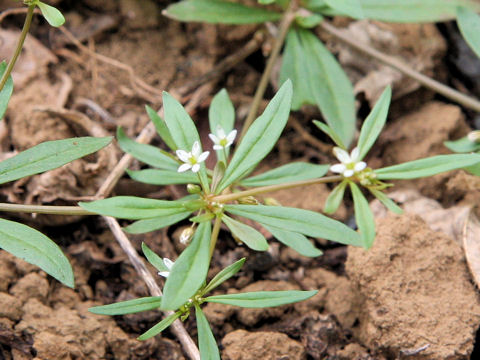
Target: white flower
x,y
222,141
169,264
474,136
192,159
349,163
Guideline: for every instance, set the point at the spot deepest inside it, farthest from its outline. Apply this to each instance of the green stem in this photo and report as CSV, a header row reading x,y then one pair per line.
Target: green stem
x,y
270,188
18,50
288,17
43,209
215,232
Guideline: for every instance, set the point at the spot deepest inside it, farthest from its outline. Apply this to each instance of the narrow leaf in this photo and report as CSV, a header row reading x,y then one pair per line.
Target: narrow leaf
x,y
147,225
7,90
163,177
296,241
224,275
469,24
385,200
49,155
51,14
246,234
128,307
319,80
298,220
260,137
363,216
291,172
350,8
374,123
262,299
335,198
221,112
218,12
37,249
154,259
463,145
162,325
330,133
206,340
148,154
161,127
189,271
427,167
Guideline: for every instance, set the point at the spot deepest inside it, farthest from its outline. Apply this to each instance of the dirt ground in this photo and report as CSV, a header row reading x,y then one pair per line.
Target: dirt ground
x,y
412,296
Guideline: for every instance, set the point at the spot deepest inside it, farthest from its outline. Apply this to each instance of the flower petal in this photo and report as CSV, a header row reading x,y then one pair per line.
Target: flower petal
x,y
214,138
338,168
220,132
168,263
348,173
196,168
217,147
231,136
164,273
184,167
183,155
203,156
354,154
359,166
196,149
342,155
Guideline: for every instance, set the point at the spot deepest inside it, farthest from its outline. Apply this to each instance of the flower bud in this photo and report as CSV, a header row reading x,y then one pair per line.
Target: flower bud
x,y
474,136
248,200
193,189
186,235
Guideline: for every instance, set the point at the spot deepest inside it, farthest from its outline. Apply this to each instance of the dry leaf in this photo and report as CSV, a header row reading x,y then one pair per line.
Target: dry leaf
x,y
471,245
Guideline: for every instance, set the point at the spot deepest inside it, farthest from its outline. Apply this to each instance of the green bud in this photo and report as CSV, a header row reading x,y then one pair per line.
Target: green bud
x,y
194,189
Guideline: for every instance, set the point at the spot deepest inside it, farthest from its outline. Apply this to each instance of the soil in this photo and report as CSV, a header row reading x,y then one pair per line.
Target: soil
x,y
411,296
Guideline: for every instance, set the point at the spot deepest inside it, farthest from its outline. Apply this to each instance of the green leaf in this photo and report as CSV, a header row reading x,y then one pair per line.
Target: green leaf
x,y
49,155
37,249
163,177
374,123
287,173
147,225
221,114
206,340
427,167
161,127
385,200
132,207
154,259
335,198
363,216
298,220
330,133
260,137
128,307
469,25
148,154
463,145
475,169
319,80
246,234
201,218
262,299
51,14
218,173
162,325
189,271
224,275
296,241
351,8
309,21
218,12
7,90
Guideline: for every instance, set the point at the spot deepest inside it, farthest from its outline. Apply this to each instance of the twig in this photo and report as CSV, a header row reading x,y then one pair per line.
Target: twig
x,y
434,85
295,124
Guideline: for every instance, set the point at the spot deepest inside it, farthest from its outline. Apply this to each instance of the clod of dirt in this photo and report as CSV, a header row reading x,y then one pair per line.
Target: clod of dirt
x,y
32,285
244,345
416,292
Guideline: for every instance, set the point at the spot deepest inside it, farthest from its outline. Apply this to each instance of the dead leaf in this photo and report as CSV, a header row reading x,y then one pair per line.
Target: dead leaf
x,y
471,245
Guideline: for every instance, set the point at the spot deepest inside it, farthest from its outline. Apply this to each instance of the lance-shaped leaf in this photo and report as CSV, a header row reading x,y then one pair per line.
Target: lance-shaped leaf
x,y
411,11
363,216
298,220
463,145
475,169
224,275
128,307
147,225
260,137
296,241
350,8
7,90
163,177
319,80
427,167
385,200
335,198
246,234
161,127
374,123
287,173
162,325
49,155
262,299
154,259
219,12
133,208
330,133
148,154
206,340
189,271
469,24
221,113
51,14
37,249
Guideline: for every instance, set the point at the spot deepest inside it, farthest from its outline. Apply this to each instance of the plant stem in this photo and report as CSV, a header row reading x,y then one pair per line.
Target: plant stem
x,y
288,17
215,232
270,188
43,209
18,50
